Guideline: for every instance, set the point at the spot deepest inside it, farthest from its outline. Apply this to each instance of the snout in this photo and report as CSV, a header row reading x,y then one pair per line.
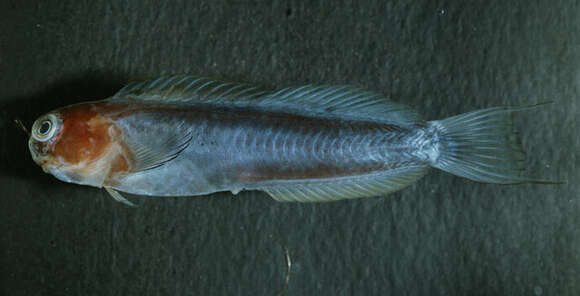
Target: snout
x,y
34,151
38,156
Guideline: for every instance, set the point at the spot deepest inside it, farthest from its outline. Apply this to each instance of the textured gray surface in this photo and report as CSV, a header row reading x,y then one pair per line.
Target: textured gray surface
x,y
442,236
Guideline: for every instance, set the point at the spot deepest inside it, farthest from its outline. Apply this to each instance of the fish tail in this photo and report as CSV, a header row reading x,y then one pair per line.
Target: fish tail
x,y
482,146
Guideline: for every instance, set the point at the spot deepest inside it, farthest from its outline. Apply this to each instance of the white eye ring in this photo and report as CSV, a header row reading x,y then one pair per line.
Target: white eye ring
x,y
45,127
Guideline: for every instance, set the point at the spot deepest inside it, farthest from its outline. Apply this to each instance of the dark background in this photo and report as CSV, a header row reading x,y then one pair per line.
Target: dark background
x,y
441,236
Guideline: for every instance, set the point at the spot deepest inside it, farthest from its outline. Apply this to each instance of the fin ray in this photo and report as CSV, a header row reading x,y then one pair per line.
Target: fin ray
x,y
150,157
325,100
347,188
483,146
118,197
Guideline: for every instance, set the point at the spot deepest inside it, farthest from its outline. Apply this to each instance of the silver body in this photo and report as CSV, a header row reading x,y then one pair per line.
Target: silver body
x,y
186,136
233,149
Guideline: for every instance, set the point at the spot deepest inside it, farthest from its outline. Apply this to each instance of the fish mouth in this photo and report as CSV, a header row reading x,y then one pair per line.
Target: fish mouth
x,y
44,161
41,159
36,156
54,167
33,150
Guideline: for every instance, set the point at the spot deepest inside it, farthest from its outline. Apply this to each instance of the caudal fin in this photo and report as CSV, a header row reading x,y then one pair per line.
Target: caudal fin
x,y
482,146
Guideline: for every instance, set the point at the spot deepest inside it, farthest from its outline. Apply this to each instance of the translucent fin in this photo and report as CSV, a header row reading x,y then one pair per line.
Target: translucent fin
x,y
118,197
347,188
148,156
482,146
323,100
187,89
346,100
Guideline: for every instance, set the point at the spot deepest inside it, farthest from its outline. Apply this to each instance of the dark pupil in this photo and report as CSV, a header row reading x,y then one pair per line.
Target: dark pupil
x,y
44,128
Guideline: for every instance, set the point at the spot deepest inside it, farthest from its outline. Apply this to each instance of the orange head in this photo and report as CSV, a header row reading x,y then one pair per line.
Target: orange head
x,y
76,144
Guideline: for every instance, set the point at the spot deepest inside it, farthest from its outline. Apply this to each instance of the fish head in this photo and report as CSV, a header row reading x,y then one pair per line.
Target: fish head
x,y
74,144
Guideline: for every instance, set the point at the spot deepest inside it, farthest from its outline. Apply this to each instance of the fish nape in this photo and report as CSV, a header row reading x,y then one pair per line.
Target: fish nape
x,y
188,136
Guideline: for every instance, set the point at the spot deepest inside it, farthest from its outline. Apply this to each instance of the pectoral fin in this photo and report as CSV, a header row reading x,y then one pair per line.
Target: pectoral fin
x,y
148,157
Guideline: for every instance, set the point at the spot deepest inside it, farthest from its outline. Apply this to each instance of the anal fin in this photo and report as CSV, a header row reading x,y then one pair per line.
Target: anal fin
x,y
377,184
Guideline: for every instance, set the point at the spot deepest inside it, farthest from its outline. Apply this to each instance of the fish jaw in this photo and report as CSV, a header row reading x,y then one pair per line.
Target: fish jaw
x,y
97,172
55,166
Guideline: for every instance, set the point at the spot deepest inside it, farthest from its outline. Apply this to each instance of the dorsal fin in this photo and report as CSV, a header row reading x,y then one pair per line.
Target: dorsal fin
x,y
344,100
189,90
324,100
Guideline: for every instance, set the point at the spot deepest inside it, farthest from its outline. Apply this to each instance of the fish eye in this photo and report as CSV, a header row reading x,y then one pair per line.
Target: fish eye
x,y
44,128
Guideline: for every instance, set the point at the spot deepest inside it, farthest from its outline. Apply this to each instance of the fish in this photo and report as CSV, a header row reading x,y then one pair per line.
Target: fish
x,y
184,135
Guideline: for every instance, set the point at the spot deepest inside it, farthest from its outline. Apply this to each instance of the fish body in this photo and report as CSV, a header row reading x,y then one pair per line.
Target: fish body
x,y
187,136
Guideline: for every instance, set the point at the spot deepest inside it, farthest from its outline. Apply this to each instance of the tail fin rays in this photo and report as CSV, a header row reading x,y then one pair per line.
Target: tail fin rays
x,y
483,146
